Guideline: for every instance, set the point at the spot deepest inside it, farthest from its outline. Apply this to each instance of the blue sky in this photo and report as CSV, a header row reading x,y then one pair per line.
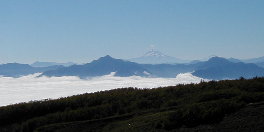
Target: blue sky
x,y
83,30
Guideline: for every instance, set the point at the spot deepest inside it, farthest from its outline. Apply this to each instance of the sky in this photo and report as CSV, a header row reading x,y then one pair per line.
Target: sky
x,y
83,30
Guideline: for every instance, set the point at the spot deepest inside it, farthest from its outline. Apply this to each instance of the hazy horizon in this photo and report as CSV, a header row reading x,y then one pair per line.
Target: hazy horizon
x,y
89,61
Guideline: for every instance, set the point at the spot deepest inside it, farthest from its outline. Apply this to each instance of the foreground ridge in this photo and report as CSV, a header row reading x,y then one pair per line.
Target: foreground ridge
x,y
208,106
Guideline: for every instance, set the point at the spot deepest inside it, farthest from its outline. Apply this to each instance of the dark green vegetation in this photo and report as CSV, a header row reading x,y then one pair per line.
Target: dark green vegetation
x,y
209,106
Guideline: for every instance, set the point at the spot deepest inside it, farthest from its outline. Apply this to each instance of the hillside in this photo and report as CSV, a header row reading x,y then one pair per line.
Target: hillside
x,y
205,106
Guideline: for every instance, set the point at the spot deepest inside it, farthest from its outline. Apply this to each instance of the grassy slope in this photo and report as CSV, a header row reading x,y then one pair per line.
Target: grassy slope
x,y
206,106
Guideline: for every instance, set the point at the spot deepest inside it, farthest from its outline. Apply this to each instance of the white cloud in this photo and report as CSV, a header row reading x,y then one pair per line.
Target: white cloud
x,y
27,88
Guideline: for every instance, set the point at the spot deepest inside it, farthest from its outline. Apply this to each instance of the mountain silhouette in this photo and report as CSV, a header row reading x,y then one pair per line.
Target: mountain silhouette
x,y
216,68
17,70
220,68
47,64
102,66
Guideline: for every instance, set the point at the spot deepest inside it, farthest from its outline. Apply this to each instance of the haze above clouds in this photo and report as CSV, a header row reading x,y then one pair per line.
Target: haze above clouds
x,y
31,87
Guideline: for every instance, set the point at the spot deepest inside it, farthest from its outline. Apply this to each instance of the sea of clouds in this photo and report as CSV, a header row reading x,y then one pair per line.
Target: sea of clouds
x,y
31,87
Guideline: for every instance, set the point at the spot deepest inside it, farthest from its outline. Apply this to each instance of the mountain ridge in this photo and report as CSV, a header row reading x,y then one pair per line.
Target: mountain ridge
x,y
103,66
18,70
47,64
217,68
220,68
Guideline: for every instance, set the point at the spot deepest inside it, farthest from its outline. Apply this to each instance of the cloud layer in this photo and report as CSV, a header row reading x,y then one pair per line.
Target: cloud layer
x,y
27,88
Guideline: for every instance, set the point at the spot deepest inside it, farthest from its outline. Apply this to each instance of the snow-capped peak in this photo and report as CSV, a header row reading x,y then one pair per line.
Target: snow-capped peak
x,y
156,57
154,54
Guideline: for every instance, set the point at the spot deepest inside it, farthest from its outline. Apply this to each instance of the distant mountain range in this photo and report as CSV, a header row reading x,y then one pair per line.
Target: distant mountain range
x,y
261,64
102,66
258,61
215,68
18,70
254,60
46,64
221,68
157,57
